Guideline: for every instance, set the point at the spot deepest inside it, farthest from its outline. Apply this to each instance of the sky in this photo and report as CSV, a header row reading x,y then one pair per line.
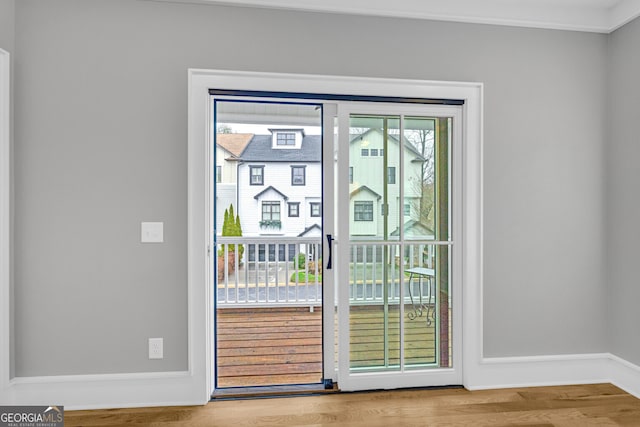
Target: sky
x,y
264,129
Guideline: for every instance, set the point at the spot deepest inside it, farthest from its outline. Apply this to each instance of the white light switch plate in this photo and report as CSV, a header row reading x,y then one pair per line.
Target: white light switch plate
x,y
152,232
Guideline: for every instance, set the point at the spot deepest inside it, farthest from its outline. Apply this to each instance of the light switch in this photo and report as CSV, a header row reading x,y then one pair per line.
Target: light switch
x,y
152,232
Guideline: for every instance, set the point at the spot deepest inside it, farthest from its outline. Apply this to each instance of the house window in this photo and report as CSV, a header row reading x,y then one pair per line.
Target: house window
x,y
363,211
364,152
391,175
256,175
271,211
382,152
298,175
374,152
407,209
218,173
350,174
294,209
314,208
285,138
284,253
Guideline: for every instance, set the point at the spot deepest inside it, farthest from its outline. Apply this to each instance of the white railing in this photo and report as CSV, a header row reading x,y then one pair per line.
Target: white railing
x,y
269,271
367,273
288,271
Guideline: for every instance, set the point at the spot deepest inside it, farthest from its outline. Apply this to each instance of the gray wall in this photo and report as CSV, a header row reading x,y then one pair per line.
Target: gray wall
x,y
101,126
7,25
623,199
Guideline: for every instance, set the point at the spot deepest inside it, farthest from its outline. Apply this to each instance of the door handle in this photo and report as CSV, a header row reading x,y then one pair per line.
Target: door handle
x,y
330,241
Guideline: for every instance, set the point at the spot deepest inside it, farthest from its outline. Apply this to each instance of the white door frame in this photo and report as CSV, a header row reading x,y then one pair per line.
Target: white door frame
x,y
200,81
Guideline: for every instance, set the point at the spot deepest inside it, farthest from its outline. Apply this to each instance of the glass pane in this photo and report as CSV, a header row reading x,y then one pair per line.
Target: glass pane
x,y
427,330
419,178
427,322
374,308
374,215
399,204
374,211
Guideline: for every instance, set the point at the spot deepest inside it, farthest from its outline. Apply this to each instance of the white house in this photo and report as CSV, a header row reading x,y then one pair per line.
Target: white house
x,y
280,188
367,182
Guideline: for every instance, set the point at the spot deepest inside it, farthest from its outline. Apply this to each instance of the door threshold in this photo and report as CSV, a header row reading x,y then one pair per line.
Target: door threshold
x,y
272,391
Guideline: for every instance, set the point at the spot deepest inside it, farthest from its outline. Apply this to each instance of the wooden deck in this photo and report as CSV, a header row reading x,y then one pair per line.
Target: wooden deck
x,y
367,338
269,346
274,346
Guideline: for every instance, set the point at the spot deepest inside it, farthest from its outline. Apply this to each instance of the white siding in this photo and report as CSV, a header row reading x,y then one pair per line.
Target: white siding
x,y
225,196
365,228
229,169
278,175
226,189
369,171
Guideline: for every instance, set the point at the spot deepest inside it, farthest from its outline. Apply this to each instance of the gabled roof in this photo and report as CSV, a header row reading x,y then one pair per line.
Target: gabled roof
x,y
260,149
414,228
309,229
301,130
407,144
234,143
364,188
271,187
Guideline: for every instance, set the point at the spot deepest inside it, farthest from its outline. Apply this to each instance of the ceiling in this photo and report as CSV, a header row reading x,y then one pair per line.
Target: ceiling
x,y
602,16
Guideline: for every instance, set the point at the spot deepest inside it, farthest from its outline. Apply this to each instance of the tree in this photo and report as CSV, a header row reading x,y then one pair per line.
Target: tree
x,y
225,224
227,228
238,232
423,140
231,227
224,129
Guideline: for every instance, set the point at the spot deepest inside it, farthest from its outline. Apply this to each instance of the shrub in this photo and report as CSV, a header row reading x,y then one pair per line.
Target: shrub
x,y
301,260
303,277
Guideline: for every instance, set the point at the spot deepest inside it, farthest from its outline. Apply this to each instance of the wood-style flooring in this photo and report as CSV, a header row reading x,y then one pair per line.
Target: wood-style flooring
x,y
599,405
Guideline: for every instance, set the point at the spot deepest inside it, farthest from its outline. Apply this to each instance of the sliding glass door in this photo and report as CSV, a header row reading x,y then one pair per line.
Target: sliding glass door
x,y
398,284
375,188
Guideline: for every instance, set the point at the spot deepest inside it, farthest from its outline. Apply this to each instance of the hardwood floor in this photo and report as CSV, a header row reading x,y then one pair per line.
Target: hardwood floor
x,y
580,405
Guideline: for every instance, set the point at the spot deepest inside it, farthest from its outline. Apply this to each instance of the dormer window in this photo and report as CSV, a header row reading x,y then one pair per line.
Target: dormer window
x,y
286,138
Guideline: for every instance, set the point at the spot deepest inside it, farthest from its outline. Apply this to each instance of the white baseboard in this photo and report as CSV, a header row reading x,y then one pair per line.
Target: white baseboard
x,y
181,388
625,375
535,371
106,391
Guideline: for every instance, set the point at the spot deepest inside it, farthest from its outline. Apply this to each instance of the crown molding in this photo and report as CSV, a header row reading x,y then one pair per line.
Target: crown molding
x,y
622,13
599,16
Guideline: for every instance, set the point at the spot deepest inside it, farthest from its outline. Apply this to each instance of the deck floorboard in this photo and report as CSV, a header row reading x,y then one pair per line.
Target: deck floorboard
x,y
283,345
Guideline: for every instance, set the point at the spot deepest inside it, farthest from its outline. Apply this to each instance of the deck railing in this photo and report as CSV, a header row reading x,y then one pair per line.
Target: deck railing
x,y
270,271
260,272
374,264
